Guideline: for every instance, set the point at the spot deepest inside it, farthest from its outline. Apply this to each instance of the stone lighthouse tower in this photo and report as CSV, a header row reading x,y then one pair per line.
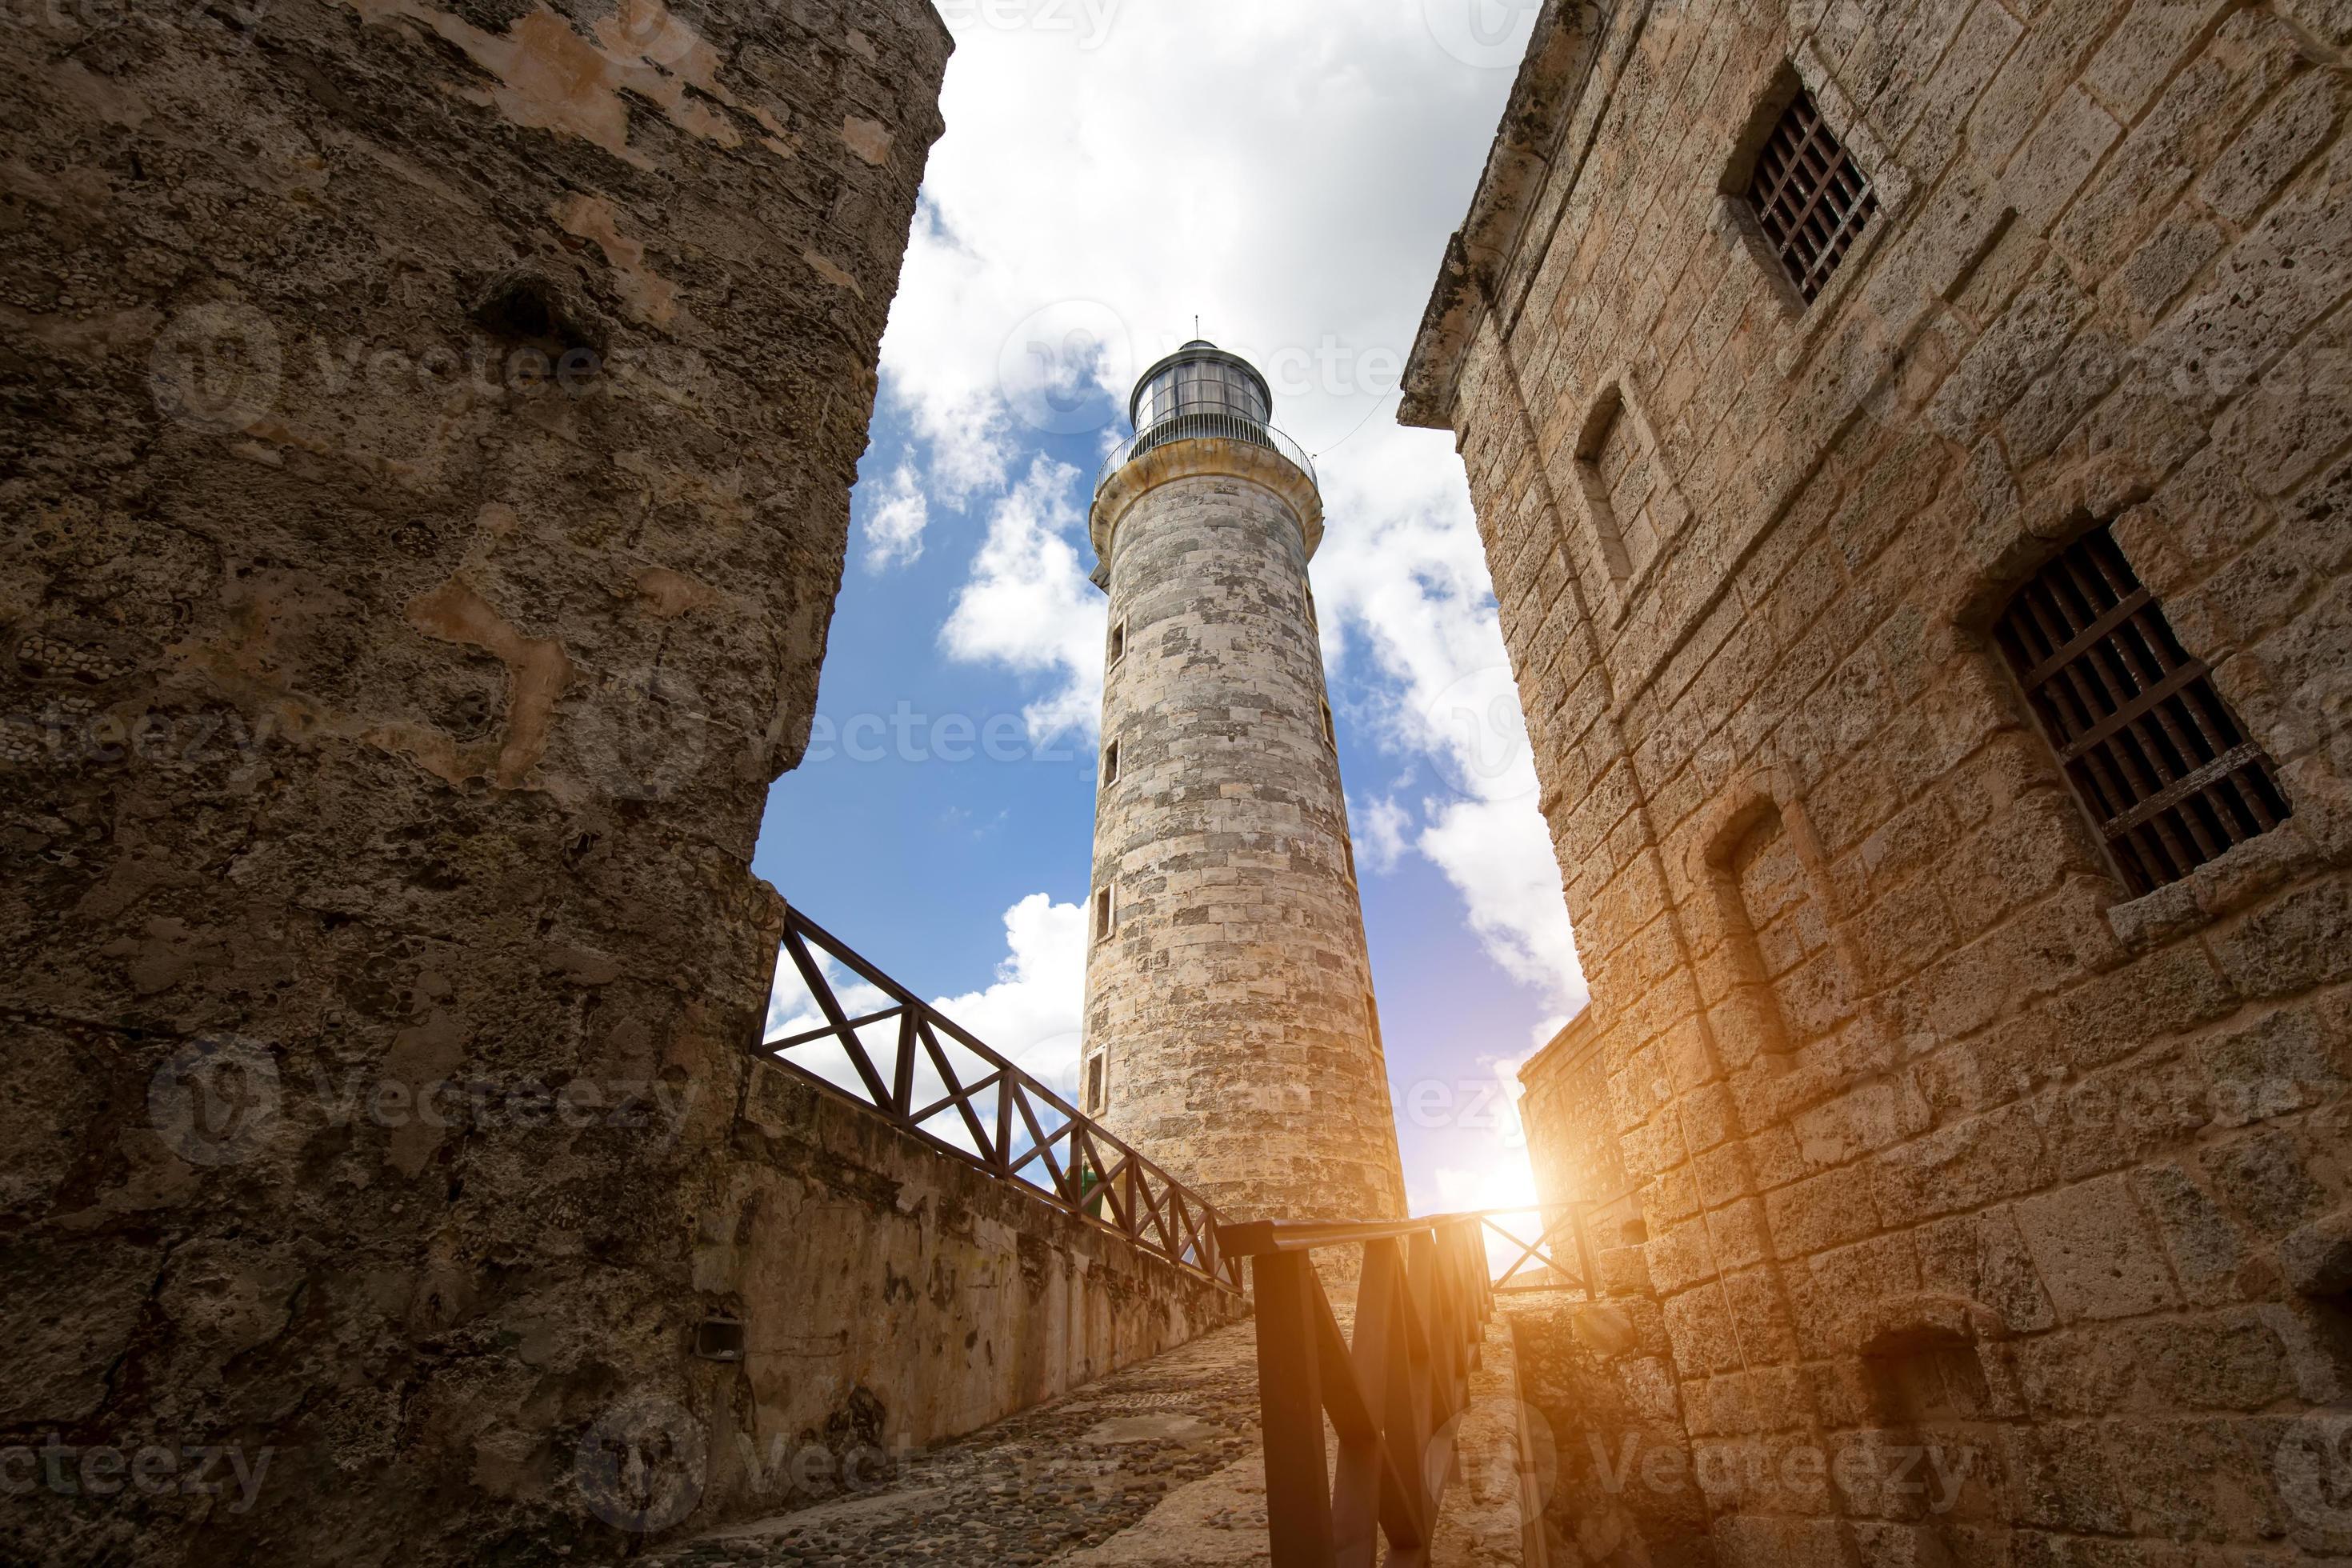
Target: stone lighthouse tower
x,y
1231,1033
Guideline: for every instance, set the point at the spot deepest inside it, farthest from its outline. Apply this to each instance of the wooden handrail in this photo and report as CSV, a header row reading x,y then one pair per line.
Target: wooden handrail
x,y
1391,1392
1268,1238
1084,1170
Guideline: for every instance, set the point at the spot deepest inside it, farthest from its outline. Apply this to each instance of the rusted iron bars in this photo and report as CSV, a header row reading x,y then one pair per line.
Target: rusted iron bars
x,y
1019,1130
1392,1392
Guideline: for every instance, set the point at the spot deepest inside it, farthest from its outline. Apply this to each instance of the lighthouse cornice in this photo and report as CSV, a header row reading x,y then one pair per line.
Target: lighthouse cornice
x,y
1221,457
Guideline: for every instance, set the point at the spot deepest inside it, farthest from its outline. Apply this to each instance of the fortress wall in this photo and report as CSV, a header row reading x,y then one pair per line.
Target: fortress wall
x,y
426,467
1946,1137
892,1297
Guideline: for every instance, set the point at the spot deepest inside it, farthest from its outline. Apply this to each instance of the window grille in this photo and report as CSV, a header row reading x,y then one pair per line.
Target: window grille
x,y
1811,197
2145,737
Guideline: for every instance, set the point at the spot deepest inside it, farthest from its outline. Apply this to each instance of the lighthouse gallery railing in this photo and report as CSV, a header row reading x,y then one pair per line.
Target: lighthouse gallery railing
x,y
1208,425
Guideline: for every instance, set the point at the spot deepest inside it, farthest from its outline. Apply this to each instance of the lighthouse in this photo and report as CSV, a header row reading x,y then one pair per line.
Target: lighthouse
x,y
1232,1031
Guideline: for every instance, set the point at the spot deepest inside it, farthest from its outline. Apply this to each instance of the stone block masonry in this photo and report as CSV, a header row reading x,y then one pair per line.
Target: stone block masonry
x,y
892,1299
1947,1136
1229,994
426,479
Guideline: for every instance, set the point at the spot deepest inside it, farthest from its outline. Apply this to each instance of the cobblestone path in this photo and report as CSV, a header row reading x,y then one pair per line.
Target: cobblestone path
x,y
1044,1485
1155,1467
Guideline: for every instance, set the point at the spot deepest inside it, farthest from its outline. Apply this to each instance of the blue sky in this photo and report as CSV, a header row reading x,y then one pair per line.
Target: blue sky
x,y
1289,172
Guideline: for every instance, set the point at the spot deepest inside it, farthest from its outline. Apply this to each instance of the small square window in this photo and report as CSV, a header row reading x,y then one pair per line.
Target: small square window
x,y
1810,198
1103,926
1110,763
1118,641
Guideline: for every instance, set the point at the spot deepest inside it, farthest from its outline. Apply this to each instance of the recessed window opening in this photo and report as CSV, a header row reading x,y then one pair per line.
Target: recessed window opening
x,y
1097,1096
1810,198
1330,730
1110,763
1118,641
2154,752
1622,486
1103,915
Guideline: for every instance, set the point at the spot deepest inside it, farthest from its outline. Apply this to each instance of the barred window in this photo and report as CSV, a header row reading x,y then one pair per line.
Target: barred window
x,y
2146,738
1811,197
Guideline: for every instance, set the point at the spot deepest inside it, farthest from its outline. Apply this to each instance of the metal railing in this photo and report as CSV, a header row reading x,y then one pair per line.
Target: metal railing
x,y
1391,1390
991,1114
1212,426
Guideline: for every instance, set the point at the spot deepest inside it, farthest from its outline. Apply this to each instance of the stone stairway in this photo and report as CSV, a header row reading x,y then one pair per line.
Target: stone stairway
x,y
1155,1467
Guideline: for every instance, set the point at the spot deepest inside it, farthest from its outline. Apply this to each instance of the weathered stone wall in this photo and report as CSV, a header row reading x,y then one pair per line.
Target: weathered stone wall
x,y
1944,1136
427,466
1605,1443
1232,1002
1572,1146
891,1297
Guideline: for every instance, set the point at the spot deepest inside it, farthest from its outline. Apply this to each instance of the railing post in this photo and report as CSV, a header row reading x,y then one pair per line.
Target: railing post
x,y
1290,1402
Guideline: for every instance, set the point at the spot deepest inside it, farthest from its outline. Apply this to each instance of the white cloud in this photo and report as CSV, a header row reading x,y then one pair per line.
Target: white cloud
x,y
1287,172
894,528
1028,605
1381,828
1034,1013
1409,593
1498,854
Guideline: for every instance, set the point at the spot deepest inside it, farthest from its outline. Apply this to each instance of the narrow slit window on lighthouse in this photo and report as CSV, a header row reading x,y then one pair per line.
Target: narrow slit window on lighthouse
x,y
1110,763
1102,914
1118,641
1097,1101
1330,730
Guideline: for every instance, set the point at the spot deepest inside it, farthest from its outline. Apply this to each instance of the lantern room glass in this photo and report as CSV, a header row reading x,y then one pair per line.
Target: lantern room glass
x,y
1207,382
